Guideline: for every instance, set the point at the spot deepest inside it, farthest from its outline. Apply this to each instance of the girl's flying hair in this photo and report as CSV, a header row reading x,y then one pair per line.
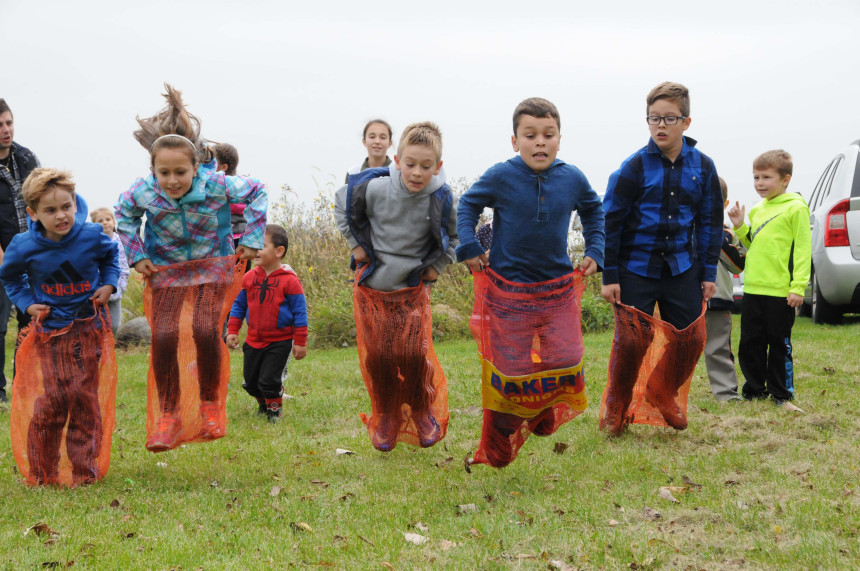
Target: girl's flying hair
x,y
174,119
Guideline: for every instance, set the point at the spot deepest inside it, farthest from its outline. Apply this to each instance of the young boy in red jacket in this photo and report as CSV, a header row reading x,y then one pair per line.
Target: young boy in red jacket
x,y
273,303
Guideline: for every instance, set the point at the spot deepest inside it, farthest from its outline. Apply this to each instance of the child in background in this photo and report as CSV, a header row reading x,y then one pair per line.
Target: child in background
x,y
273,304
104,216
377,140
56,272
778,265
401,225
533,197
719,360
186,204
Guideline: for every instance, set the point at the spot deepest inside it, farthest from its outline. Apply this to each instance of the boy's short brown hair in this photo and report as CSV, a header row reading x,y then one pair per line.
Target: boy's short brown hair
x,y
724,188
226,154
43,181
536,107
425,133
674,92
776,159
278,236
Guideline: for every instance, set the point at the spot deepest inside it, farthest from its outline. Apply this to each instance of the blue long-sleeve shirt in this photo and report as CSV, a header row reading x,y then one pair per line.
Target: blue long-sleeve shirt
x,y
531,219
662,212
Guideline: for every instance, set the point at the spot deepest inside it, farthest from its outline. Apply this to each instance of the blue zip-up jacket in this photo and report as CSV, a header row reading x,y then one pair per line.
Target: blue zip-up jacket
x,y
62,275
659,212
531,219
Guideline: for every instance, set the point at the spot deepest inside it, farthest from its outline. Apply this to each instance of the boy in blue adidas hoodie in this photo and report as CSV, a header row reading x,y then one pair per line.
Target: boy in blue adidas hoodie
x,y
533,196
57,272
400,222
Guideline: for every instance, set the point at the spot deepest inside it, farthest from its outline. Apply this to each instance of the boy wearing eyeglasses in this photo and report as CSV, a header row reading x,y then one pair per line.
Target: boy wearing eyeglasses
x,y
663,232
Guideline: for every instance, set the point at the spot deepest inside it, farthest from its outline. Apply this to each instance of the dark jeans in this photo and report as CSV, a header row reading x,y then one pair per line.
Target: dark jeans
x,y
23,321
679,297
765,349
263,369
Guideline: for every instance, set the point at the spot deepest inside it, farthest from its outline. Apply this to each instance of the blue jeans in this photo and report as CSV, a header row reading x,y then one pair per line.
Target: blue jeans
x,y
23,321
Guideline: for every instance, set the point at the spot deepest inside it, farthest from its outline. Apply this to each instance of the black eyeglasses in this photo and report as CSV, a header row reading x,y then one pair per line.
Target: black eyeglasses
x,y
670,120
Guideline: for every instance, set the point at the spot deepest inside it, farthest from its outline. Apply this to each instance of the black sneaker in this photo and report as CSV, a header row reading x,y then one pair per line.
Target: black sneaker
x,y
3,397
273,416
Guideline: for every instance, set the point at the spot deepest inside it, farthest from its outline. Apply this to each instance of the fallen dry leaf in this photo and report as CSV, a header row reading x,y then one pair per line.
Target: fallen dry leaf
x,y
126,517
525,517
650,513
319,482
114,503
559,565
346,496
420,526
415,539
388,565
301,526
474,532
467,462
690,482
343,451
560,447
614,522
445,545
367,541
666,494
275,491
445,462
467,508
42,529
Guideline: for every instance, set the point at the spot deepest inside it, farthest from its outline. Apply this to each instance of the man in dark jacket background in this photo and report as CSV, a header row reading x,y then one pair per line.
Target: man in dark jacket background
x,y
16,163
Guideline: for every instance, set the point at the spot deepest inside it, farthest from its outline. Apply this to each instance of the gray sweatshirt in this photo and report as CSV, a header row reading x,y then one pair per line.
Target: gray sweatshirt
x,y
400,228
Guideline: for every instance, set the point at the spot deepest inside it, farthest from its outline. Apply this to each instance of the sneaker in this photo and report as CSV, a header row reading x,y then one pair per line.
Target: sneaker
x,y
166,429
384,436
273,410
665,403
211,428
429,431
261,406
3,397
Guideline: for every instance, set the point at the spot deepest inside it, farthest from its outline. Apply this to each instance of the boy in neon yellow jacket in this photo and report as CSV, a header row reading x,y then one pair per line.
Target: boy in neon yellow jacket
x,y
778,264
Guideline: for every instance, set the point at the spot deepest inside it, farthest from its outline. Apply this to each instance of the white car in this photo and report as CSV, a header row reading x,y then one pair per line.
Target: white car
x,y
834,207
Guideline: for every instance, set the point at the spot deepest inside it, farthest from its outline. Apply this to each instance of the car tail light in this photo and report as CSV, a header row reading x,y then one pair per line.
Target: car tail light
x,y
836,233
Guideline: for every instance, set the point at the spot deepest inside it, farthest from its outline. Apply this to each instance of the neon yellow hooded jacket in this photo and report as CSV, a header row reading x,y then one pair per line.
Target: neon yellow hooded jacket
x,y
779,241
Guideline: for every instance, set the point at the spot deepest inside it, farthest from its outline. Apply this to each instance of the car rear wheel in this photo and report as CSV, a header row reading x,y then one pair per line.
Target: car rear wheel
x,y
822,312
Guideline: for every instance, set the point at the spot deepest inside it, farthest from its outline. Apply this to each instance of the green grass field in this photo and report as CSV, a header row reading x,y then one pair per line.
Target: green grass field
x,y
774,490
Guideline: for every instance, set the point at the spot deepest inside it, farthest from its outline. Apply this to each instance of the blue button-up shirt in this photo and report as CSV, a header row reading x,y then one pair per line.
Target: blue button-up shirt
x,y
661,213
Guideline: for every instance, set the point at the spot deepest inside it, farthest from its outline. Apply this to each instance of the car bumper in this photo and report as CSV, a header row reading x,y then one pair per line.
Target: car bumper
x,y
838,275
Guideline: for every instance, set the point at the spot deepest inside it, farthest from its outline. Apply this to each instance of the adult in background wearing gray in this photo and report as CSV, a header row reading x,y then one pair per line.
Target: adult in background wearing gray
x,y
16,163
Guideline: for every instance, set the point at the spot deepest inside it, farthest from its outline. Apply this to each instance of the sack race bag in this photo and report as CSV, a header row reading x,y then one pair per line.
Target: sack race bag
x,y
186,305
530,343
63,402
408,390
651,368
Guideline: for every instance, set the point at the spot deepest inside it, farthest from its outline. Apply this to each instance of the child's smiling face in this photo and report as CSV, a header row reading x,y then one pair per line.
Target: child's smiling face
x,y
174,170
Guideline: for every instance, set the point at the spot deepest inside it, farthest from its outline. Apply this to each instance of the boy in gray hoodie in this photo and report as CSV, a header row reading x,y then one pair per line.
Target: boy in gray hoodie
x,y
401,223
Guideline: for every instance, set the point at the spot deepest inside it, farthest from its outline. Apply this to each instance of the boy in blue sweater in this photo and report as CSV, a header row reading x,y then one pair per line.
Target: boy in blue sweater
x,y
57,272
533,196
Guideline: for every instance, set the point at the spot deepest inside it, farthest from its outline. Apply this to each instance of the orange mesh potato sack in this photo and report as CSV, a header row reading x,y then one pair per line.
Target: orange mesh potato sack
x,y
530,343
63,402
650,370
408,390
186,305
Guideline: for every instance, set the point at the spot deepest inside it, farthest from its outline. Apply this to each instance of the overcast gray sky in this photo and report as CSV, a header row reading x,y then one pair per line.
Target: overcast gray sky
x,y
292,84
